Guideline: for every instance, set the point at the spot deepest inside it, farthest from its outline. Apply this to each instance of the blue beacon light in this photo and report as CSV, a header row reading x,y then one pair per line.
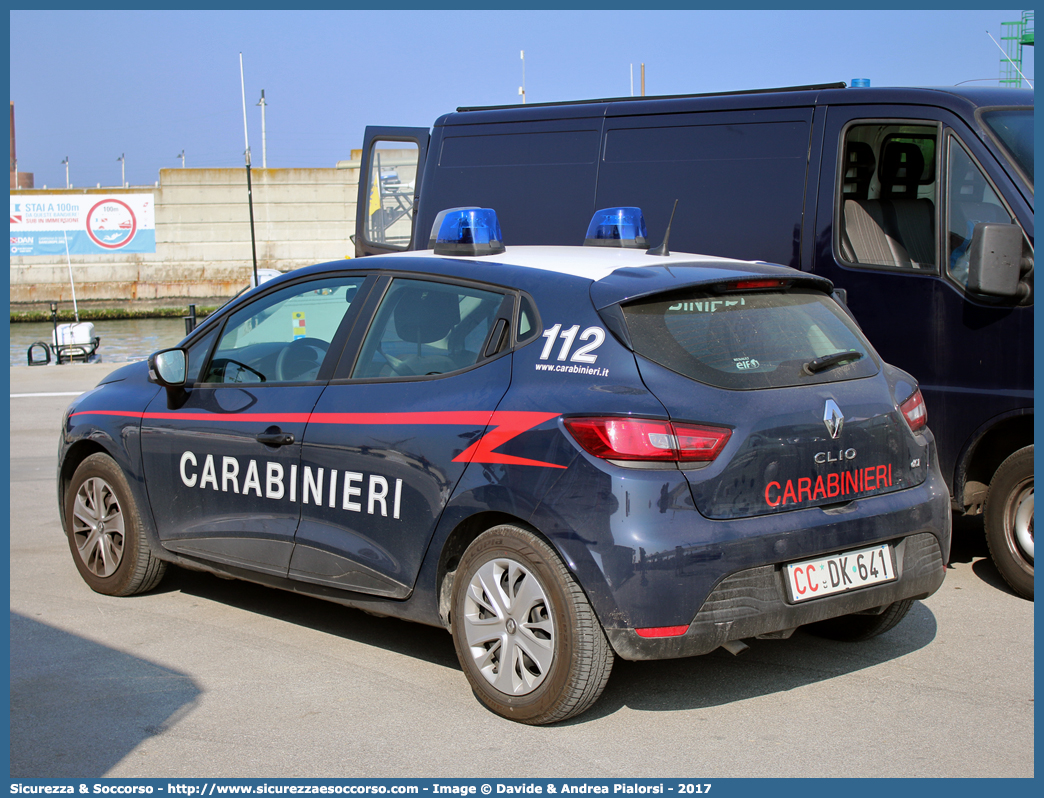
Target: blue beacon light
x,y
617,227
466,231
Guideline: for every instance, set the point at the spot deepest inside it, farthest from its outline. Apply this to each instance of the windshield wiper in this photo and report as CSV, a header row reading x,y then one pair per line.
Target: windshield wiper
x,y
829,361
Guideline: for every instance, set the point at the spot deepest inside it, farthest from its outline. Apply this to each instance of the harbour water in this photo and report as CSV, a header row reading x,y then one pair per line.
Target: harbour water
x,y
122,340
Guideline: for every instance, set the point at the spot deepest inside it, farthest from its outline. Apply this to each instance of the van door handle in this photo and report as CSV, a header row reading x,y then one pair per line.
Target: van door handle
x,y
273,436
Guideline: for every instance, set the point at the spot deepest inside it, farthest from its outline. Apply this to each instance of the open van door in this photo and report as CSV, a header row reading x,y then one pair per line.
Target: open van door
x,y
389,178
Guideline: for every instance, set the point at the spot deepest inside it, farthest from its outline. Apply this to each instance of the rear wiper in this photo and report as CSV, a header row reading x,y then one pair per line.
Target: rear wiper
x,y
829,361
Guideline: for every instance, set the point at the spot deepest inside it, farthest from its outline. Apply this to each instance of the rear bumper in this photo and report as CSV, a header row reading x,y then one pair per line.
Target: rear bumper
x,y
754,602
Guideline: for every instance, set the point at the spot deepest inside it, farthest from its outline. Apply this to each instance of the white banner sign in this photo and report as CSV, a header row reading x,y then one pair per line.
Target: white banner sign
x,y
88,224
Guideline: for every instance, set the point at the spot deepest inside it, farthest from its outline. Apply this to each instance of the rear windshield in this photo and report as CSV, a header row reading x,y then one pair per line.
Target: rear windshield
x,y
1014,127
750,340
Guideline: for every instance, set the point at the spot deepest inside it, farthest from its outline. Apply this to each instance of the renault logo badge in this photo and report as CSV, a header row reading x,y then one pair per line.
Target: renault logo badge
x,y
833,418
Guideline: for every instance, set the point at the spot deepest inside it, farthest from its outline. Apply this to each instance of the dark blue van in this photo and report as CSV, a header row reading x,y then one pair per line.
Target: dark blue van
x,y
917,202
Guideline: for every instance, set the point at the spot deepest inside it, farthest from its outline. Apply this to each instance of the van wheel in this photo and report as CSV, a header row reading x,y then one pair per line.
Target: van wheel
x,y
106,533
1008,518
525,634
855,628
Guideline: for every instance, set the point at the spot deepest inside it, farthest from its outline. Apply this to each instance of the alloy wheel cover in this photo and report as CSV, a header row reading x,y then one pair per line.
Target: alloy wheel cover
x,y
98,527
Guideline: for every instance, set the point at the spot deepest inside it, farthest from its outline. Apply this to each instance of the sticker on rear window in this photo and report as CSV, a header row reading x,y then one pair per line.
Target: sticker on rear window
x,y
745,363
707,305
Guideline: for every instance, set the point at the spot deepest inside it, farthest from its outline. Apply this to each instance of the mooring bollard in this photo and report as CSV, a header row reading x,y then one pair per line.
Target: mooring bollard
x,y
190,320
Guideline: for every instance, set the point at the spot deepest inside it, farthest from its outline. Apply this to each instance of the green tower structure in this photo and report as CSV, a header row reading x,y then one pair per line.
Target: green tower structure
x,y
1015,36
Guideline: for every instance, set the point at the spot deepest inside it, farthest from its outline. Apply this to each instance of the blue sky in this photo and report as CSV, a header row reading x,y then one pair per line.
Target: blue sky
x,y
92,85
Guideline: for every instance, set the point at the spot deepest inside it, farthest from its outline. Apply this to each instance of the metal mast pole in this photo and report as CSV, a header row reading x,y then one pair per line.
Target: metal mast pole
x,y
250,192
264,138
522,88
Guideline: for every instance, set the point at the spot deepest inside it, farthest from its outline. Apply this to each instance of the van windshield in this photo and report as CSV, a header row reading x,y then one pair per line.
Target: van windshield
x,y
749,340
1013,127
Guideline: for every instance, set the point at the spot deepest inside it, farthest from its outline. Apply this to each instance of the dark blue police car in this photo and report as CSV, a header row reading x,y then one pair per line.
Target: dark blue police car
x,y
559,454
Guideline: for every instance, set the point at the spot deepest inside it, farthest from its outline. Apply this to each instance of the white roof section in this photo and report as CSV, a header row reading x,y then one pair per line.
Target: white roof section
x,y
594,263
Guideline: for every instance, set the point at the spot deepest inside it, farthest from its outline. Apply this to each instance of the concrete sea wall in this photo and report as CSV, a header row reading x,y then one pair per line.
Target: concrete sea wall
x,y
301,216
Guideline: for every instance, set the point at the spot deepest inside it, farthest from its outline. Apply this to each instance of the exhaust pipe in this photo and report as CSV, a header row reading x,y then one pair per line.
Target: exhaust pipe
x,y
735,647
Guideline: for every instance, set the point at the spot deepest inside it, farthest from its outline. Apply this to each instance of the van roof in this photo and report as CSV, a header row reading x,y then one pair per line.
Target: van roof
x,y
815,94
810,87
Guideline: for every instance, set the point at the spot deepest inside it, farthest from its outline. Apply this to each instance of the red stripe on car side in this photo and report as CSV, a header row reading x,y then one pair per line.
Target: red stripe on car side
x,y
505,425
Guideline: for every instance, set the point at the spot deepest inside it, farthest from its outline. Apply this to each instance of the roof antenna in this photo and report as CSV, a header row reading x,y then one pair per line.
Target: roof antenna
x,y
662,249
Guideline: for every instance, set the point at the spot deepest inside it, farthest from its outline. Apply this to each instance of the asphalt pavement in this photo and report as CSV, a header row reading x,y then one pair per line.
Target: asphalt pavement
x,y
205,677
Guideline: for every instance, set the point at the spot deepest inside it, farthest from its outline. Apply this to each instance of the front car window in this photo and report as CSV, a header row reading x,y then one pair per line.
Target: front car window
x,y
747,340
971,199
197,355
426,328
283,336
1013,127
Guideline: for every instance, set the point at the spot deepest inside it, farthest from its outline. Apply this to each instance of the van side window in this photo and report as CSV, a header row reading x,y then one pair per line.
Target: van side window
x,y
970,200
888,194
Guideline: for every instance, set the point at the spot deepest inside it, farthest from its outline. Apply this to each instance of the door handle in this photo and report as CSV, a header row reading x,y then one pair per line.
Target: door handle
x,y
273,436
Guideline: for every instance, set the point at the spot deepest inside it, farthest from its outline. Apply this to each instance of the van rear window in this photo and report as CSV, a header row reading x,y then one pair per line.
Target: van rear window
x,y
749,340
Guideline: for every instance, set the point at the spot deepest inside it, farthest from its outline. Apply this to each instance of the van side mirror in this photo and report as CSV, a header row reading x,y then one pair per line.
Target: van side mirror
x,y
994,260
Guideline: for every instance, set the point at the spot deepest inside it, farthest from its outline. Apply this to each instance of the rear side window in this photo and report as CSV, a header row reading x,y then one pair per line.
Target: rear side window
x,y
750,340
426,329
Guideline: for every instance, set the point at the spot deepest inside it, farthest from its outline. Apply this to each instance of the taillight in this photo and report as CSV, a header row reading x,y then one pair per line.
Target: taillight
x,y
915,412
614,438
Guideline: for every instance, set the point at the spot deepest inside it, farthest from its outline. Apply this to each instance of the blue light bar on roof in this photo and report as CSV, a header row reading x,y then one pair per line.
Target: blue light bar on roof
x,y
617,227
466,231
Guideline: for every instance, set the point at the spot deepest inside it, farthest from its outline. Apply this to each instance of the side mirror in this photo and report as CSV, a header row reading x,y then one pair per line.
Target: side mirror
x,y
168,368
994,260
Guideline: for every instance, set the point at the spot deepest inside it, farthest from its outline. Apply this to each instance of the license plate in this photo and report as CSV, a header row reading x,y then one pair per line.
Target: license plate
x,y
840,573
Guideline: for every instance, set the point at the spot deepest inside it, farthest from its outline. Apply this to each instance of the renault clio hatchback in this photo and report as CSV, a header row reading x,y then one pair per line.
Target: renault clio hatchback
x,y
559,454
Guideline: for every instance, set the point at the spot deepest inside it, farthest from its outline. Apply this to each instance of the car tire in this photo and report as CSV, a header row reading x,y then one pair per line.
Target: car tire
x,y
1008,518
855,628
106,533
514,599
